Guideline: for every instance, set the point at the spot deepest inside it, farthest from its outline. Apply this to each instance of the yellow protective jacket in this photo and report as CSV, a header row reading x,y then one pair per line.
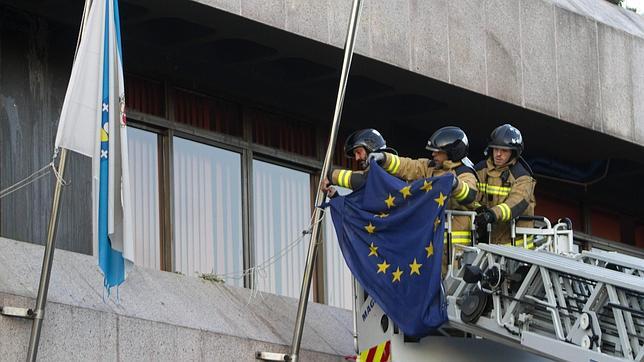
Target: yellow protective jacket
x,y
508,191
347,178
463,196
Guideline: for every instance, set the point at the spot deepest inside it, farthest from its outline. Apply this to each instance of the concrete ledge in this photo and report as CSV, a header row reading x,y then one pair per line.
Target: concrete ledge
x,y
576,60
161,316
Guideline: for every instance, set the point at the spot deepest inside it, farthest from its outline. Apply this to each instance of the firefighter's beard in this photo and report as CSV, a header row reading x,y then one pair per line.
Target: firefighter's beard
x,y
363,164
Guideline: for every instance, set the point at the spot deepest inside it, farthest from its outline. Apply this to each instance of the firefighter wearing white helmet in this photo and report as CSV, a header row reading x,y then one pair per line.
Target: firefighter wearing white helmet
x,y
506,185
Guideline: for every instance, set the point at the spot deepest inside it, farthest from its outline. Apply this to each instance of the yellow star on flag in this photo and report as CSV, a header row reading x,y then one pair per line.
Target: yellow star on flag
x,y
430,250
390,201
415,268
441,199
382,268
437,222
373,250
382,215
396,275
406,191
370,228
427,186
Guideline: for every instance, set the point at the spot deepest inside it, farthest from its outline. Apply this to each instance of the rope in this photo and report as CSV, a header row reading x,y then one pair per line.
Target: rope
x,y
35,176
260,269
59,177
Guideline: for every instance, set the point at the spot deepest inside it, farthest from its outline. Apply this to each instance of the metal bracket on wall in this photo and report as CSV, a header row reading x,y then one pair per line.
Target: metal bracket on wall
x,y
26,313
270,356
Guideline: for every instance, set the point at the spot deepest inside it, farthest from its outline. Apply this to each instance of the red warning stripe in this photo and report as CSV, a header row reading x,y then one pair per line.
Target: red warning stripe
x,y
379,353
385,354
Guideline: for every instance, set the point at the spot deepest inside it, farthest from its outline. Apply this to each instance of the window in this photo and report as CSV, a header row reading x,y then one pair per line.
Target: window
x,y
190,189
207,209
144,173
282,209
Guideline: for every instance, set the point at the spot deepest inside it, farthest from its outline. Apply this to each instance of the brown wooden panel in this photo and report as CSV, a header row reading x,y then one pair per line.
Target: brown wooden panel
x,y
605,225
639,236
282,132
208,113
144,95
555,209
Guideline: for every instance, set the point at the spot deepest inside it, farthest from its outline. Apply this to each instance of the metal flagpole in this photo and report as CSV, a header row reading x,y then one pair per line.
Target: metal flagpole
x,y
38,313
320,196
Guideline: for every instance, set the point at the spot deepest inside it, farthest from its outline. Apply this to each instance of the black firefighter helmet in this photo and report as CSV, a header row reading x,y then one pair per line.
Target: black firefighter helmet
x,y
507,137
368,138
451,140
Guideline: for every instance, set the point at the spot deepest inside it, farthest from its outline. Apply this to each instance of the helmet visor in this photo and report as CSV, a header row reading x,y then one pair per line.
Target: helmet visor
x,y
431,147
503,147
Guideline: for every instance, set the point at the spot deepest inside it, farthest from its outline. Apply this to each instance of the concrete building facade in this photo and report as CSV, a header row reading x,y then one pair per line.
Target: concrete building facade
x,y
247,88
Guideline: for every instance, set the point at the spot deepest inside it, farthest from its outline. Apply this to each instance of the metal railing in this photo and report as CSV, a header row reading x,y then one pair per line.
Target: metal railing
x,y
589,242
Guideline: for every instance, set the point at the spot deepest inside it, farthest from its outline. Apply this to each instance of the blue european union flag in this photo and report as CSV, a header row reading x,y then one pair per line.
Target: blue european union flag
x,y
391,235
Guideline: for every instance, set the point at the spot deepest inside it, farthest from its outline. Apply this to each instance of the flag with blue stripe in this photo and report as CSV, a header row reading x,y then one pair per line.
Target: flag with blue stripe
x,y
391,236
93,123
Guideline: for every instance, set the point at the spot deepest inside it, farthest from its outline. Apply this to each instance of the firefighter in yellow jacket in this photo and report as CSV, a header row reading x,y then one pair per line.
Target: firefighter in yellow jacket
x,y
506,185
449,146
358,146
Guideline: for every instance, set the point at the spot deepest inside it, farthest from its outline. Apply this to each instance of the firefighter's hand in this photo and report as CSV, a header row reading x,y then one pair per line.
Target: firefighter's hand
x,y
328,189
379,157
484,217
480,209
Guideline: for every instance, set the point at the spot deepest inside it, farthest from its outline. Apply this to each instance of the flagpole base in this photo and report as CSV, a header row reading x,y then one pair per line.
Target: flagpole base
x,y
16,312
271,356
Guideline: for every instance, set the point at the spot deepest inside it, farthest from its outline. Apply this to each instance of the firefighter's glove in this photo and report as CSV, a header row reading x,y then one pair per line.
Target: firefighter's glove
x,y
379,157
480,209
484,217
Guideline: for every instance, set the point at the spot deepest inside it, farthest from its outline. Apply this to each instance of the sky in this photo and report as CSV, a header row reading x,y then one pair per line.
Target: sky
x,y
637,4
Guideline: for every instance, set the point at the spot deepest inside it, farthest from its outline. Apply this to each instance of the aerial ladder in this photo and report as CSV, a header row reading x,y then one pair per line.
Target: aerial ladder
x,y
555,302
612,260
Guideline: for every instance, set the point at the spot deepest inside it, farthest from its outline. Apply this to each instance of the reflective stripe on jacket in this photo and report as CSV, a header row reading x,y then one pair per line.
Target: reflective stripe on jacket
x,y
509,192
463,196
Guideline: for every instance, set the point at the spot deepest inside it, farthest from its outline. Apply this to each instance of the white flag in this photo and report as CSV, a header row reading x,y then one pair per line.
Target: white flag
x,y
92,123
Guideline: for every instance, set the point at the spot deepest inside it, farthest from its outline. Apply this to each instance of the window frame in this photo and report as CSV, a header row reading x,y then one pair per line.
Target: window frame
x,y
167,129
